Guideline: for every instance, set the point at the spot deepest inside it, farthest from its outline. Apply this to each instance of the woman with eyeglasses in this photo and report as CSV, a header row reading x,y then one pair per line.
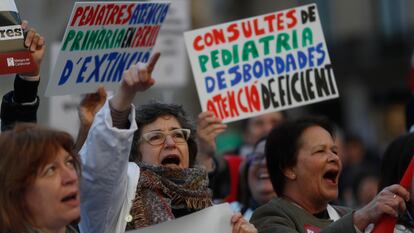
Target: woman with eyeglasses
x,y
161,182
255,185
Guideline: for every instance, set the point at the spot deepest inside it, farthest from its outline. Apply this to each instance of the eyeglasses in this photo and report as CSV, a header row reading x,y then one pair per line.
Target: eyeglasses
x,y
156,138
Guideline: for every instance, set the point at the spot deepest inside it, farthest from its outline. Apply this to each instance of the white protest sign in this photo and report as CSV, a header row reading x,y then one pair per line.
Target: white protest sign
x,y
261,64
172,69
102,40
213,219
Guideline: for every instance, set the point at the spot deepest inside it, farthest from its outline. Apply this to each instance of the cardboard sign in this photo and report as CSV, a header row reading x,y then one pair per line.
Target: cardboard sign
x,y
213,219
14,56
101,41
261,64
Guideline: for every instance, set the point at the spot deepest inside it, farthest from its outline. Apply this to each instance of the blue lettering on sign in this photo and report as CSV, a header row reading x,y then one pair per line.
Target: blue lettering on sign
x,y
210,84
108,67
67,70
83,69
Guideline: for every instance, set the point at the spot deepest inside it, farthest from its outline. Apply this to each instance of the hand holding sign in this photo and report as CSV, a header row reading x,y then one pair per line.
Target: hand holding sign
x,y
387,223
36,45
208,128
137,78
90,105
241,225
390,201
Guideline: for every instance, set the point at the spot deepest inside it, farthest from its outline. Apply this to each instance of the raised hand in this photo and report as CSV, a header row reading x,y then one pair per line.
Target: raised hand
x,y
137,78
90,105
208,128
88,108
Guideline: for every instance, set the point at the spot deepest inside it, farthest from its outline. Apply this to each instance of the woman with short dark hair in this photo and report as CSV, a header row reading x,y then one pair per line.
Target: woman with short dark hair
x,y
304,167
148,113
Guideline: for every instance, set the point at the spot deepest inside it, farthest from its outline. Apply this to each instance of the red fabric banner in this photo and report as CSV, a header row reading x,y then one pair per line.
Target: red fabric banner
x,y
387,223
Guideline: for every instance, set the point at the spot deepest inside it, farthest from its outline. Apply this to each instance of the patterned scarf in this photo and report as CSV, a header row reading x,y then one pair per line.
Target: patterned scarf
x,y
162,189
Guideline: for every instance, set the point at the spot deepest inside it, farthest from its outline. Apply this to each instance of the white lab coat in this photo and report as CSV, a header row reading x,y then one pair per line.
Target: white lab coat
x,y
108,181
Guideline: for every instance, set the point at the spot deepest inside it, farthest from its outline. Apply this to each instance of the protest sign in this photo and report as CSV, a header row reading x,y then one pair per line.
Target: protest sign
x,y
172,69
101,41
261,64
213,219
14,56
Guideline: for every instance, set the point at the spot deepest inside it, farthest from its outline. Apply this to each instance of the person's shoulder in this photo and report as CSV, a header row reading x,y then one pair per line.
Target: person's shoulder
x,y
275,216
272,207
282,208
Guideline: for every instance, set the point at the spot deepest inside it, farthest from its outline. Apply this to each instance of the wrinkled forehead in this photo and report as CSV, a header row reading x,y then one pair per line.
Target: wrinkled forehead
x,y
314,136
164,122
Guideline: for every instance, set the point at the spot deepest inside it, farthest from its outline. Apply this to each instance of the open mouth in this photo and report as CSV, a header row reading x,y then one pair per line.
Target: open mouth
x,y
262,175
331,176
171,160
71,198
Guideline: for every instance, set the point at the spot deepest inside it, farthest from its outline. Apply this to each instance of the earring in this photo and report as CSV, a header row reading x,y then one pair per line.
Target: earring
x,y
290,174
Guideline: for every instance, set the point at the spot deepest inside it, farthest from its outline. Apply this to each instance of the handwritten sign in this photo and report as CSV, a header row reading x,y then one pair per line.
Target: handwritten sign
x,y
213,219
102,40
261,64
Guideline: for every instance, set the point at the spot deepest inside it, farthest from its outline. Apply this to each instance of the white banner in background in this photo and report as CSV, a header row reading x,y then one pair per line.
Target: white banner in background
x,y
213,219
172,68
8,5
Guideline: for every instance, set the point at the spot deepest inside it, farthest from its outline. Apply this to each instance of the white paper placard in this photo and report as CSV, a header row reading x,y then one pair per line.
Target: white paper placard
x,y
213,219
261,64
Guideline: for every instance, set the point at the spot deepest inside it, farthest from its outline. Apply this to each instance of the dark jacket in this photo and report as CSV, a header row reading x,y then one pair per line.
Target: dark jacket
x,y
19,105
282,216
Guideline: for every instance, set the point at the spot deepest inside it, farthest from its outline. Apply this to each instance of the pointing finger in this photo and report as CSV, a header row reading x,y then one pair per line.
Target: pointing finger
x,y
153,61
